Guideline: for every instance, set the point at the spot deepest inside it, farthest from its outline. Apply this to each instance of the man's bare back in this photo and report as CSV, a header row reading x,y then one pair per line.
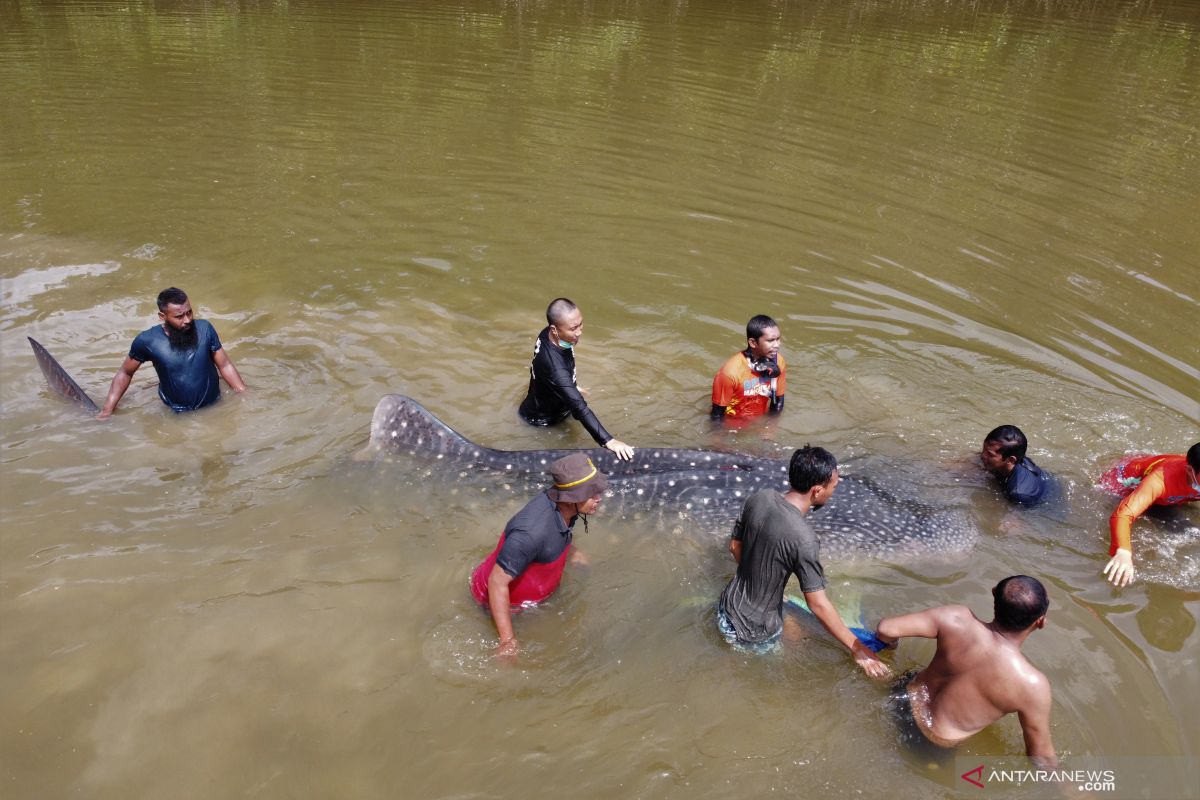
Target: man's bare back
x,y
976,677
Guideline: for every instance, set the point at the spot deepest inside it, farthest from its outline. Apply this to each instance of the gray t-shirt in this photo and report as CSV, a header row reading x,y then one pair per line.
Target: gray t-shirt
x,y
777,543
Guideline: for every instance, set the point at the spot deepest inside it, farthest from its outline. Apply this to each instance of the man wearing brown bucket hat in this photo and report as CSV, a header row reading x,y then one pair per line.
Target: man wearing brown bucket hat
x,y
527,564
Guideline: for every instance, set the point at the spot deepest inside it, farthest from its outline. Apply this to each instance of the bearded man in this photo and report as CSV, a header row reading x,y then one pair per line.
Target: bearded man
x,y
187,356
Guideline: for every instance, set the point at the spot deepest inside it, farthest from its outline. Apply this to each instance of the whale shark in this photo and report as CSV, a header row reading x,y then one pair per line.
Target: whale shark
x,y
704,489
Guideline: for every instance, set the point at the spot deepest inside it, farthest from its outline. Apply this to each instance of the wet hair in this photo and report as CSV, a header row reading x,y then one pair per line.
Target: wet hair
x,y
558,310
1019,601
758,324
809,467
171,297
1012,441
1193,456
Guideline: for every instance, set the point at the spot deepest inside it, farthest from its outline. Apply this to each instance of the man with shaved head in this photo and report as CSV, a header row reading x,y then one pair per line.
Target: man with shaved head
x,y
978,673
552,390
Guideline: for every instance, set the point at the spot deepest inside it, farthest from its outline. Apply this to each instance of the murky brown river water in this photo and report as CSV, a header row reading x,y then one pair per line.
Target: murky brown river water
x,y
962,214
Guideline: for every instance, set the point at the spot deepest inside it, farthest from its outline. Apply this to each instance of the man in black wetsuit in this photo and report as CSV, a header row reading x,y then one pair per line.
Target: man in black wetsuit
x,y
187,356
1003,455
552,390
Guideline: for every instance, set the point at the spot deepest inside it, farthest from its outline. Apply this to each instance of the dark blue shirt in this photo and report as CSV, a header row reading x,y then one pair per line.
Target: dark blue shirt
x,y
187,379
1027,484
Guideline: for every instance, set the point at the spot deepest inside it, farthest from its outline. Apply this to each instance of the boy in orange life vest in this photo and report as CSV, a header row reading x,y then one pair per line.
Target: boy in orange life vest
x,y
753,381
527,564
1145,481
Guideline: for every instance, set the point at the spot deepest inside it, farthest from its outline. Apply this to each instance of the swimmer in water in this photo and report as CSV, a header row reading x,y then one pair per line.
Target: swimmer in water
x,y
1003,455
1144,481
978,673
527,564
552,391
187,356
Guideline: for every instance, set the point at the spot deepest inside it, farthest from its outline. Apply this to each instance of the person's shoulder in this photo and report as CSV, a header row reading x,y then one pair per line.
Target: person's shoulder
x,y
766,497
539,507
1032,684
731,365
954,620
146,340
1027,483
956,612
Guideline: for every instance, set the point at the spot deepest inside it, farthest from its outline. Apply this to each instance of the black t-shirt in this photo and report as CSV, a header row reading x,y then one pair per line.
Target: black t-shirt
x,y
777,542
187,379
536,533
552,391
1027,484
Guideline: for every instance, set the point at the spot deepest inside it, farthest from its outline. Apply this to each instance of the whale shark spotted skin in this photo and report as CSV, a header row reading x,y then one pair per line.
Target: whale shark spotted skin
x,y
705,488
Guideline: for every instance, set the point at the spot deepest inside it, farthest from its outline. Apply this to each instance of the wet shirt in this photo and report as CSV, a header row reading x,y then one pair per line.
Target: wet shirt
x,y
1147,481
742,392
552,390
187,379
1028,484
536,534
777,542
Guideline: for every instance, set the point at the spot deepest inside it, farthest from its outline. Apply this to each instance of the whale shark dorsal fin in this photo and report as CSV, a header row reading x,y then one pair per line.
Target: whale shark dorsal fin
x,y
58,379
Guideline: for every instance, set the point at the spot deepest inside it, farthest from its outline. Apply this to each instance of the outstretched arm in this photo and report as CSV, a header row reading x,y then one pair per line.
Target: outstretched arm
x,y
823,610
922,623
228,371
120,383
1119,568
563,382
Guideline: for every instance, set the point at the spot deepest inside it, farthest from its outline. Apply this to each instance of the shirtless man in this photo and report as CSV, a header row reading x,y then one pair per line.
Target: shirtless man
x,y
978,673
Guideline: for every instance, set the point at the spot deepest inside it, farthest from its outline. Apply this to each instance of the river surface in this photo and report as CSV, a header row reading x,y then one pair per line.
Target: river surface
x,y
961,213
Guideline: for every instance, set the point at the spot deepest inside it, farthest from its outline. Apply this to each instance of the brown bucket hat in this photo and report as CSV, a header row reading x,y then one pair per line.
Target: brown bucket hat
x,y
576,479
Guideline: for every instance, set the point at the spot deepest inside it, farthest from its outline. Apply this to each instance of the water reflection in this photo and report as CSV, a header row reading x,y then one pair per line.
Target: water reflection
x,y
961,214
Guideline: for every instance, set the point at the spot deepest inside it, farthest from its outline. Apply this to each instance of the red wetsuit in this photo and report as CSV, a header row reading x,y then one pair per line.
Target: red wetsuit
x,y
1145,481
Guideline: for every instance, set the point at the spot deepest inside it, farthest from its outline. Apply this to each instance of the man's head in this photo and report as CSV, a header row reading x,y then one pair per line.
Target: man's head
x,y
1003,449
814,468
565,319
762,337
577,480
1020,603
1193,462
175,311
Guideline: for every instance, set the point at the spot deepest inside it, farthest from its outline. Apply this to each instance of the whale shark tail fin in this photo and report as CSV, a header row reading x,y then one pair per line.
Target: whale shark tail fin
x,y
62,383
402,425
